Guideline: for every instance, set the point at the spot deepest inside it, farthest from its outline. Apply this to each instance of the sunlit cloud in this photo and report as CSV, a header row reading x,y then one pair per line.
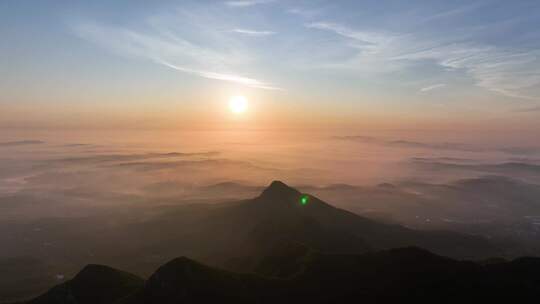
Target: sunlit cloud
x,y
501,71
448,14
366,40
173,51
306,13
249,82
253,32
433,87
246,3
504,71
528,109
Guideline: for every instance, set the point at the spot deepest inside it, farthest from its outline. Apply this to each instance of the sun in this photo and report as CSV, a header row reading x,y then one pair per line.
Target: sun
x,y
238,104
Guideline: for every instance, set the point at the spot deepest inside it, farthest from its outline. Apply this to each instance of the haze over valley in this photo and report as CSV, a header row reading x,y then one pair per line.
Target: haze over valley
x,y
269,151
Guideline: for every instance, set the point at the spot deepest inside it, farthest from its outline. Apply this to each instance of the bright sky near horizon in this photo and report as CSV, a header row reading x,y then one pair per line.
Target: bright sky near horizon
x,y
360,64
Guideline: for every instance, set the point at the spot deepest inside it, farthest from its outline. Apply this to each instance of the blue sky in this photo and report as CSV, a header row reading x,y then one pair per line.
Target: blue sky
x,y
414,55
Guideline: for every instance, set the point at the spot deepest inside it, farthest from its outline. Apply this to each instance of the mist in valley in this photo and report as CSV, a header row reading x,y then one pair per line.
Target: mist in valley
x,y
67,204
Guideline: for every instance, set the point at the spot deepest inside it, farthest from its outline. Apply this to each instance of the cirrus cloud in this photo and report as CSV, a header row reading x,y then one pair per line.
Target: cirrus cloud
x,y
246,3
253,32
433,87
168,47
502,70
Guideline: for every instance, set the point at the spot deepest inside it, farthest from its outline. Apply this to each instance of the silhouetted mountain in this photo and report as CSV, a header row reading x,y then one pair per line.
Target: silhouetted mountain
x,y
487,197
95,284
23,277
273,229
230,234
281,203
279,191
185,281
285,260
517,169
390,276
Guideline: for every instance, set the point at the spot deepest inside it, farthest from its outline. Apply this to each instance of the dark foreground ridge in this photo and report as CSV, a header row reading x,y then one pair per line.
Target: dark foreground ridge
x,y
390,276
95,284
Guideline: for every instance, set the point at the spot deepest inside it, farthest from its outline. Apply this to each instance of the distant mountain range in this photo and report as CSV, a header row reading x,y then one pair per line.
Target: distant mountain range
x,y
285,246
230,234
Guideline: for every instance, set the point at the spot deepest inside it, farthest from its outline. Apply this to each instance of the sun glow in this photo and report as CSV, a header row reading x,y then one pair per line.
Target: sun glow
x,y
238,104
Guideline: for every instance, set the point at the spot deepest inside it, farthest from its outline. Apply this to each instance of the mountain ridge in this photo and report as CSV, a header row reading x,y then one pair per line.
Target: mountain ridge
x,y
94,284
219,233
273,233
400,274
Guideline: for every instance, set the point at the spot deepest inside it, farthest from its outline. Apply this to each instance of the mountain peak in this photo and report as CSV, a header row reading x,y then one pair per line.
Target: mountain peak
x,y
279,189
92,270
93,284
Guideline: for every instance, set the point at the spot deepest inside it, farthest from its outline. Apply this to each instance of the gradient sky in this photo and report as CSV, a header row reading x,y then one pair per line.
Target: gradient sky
x,y
355,64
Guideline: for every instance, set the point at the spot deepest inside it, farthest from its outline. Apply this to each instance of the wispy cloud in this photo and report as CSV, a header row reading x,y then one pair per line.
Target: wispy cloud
x,y
165,47
409,144
446,14
246,3
250,82
529,109
253,32
433,87
502,70
306,13
21,143
369,41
